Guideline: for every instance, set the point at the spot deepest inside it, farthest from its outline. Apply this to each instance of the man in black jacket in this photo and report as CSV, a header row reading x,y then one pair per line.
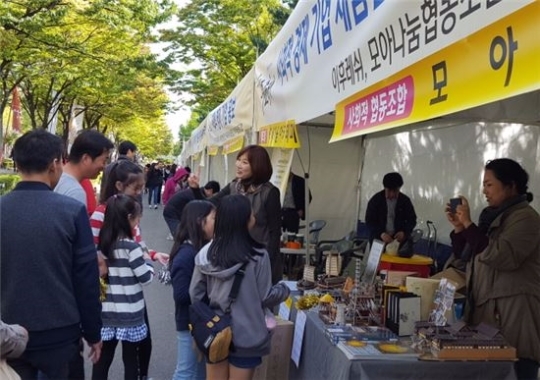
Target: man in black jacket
x,y
390,214
294,203
49,279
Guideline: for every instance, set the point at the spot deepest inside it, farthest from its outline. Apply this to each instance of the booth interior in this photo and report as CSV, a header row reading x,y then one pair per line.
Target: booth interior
x,y
438,159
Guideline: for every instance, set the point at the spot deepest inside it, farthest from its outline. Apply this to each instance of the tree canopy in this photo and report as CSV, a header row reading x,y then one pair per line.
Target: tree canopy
x,y
218,41
92,54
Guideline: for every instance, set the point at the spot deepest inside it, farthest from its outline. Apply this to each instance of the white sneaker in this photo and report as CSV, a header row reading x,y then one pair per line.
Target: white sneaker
x,y
170,237
155,207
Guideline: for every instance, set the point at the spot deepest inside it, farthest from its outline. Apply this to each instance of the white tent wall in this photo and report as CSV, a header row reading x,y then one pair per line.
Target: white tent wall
x,y
333,180
217,169
446,159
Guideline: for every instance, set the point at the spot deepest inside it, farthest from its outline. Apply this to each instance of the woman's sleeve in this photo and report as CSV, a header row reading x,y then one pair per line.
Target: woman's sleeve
x,y
13,339
197,287
96,222
270,295
518,240
273,212
216,198
181,274
458,242
476,238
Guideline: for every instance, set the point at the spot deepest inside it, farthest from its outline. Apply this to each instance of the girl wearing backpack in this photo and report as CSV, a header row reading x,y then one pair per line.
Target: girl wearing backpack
x,y
195,230
124,308
215,267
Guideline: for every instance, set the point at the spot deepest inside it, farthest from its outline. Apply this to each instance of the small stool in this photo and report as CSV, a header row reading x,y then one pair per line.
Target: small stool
x,y
416,263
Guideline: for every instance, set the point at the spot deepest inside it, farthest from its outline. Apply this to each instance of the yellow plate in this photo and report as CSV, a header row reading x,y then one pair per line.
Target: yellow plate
x,y
356,343
391,348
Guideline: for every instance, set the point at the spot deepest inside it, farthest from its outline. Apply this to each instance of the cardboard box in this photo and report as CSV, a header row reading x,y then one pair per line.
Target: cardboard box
x,y
453,275
397,277
276,365
425,288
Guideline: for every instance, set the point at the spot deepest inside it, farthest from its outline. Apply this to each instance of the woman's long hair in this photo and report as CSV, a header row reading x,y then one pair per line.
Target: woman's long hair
x,y
232,242
120,209
125,171
191,226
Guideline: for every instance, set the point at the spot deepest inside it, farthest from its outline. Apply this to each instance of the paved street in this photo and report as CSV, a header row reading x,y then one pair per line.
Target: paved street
x,y
160,308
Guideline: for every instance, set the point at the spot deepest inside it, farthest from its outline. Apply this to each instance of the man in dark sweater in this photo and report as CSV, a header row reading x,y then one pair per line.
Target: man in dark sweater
x,y
390,214
172,213
49,280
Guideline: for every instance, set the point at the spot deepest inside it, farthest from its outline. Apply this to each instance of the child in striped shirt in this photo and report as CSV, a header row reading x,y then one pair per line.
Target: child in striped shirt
x,y
124,308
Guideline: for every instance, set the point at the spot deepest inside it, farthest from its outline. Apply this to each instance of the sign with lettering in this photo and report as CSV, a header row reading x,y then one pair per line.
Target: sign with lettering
x,y
494,63
350,53
279,135
233,145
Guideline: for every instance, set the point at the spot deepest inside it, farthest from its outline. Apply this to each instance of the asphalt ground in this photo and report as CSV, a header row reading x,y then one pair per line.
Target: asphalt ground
x,y
160,304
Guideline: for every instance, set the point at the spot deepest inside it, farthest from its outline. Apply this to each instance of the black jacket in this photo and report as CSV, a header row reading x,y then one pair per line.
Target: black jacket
x,y
299,193
377,210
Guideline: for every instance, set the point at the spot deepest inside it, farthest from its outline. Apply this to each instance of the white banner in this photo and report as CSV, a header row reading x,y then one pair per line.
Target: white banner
x,y
234,116
281,164
331,49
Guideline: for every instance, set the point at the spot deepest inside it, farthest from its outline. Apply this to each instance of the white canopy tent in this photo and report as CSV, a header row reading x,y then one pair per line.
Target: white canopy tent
x,y
335,65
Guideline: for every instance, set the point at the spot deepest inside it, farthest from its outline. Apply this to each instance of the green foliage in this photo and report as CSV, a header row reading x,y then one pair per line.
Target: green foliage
x,y
218,42
89,53
8,182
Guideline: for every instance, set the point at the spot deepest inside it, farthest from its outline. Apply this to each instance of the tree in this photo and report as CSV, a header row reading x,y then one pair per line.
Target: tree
x,y
222,39
69,52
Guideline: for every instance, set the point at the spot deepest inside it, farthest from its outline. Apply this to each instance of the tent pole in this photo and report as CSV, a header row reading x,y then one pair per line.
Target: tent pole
x,y
306,215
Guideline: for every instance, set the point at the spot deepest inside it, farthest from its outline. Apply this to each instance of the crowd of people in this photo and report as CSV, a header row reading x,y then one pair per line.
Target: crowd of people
x,y
73,270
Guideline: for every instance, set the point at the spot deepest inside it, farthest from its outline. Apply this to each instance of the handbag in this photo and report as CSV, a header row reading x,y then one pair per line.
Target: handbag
x,y
212,332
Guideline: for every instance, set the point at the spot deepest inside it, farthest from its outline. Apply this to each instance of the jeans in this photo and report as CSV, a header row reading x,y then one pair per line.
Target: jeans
x,y
153,195
188,365
173,225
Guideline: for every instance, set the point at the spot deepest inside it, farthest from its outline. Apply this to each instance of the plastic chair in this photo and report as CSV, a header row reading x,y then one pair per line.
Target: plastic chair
x,y
348,247
315,227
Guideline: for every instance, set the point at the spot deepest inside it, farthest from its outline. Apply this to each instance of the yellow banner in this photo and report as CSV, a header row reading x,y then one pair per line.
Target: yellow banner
x,y
212,150
233,145
279,135
497,62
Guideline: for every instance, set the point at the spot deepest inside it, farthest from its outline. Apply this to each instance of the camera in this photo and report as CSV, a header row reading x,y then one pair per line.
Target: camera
x,y
454,202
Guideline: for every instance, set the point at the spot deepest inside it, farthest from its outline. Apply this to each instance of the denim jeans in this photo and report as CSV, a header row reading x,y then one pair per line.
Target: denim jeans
x,y
188,365
172,224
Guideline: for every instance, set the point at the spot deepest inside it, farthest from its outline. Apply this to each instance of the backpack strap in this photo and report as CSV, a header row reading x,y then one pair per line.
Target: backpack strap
x,y
238,277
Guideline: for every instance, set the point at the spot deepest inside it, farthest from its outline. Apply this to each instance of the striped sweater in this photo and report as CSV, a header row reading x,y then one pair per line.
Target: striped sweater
x,y
96,222
128,271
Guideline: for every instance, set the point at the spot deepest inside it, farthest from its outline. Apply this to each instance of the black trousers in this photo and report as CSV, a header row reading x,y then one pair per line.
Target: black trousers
x,y
290,220
526,369
53,363
100,370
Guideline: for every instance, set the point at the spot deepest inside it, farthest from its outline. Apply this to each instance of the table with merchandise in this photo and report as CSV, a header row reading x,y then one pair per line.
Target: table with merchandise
x,y
321,359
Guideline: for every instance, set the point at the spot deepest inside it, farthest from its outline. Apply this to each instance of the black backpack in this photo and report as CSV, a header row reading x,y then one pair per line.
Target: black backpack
x,y
212,332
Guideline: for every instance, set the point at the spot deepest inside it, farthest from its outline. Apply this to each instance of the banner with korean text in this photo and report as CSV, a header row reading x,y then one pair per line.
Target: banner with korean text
x,y
279,135
281,159
233,145
234,116
497,62
330,50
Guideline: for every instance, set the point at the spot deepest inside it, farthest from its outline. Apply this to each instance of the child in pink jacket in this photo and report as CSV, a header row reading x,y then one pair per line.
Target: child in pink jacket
x,y
174,184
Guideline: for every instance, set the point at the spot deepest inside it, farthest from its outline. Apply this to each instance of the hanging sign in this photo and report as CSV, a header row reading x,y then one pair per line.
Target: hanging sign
x,y
494,63
233,145
212,150
279,135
